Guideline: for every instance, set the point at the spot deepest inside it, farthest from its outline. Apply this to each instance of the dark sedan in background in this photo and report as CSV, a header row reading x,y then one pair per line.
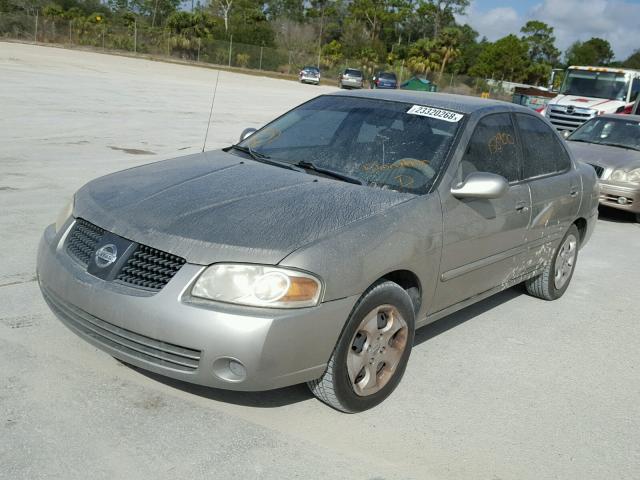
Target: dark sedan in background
x,y
384,80
611,145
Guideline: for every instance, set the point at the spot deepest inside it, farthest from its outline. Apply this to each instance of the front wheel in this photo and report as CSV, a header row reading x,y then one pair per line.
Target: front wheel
x,y
372,352
555,278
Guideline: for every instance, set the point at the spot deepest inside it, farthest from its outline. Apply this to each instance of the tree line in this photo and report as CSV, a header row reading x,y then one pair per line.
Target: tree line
x,y
424,36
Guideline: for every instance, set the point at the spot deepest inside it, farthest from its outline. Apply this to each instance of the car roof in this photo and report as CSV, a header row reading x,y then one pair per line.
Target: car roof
x,y
447,101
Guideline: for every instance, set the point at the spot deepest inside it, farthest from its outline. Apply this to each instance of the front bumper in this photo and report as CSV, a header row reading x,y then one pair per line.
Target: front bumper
x,y
172,334
610,195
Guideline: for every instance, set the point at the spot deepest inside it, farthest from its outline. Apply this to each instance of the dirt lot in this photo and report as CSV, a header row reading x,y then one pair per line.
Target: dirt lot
x,y
512,388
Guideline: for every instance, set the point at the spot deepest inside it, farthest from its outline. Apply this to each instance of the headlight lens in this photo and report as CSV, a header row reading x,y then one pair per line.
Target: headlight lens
x,y
258,286
619,176
64,214
634,176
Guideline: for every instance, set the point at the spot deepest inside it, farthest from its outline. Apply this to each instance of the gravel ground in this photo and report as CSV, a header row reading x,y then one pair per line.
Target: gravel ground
x,y
511,388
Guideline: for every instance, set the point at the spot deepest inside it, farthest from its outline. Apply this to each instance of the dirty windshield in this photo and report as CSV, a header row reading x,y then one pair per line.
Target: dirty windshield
x,y
584,83
392,145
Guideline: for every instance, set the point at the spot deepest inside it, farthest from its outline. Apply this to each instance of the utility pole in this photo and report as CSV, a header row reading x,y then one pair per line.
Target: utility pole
x,y
261,48
320,36
35,35
135,35
230,47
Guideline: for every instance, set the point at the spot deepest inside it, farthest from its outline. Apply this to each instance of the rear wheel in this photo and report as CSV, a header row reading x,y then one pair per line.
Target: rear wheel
x,y
372,352
554,280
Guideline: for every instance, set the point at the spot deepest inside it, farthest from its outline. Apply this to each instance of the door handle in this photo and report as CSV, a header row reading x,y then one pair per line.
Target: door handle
x,y
522,207
573,193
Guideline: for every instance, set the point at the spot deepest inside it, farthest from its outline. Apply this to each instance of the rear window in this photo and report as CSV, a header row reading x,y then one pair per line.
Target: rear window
x,y
387,76
353,73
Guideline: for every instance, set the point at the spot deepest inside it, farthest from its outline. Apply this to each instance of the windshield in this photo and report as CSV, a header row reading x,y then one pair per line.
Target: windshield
x,y
583,83
609,131
399,146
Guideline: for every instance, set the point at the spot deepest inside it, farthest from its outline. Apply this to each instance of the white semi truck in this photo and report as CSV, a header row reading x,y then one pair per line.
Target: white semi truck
x,y
590,91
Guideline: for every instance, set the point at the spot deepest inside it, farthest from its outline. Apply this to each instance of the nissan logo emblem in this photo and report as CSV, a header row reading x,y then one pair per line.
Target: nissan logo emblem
x,y
106,255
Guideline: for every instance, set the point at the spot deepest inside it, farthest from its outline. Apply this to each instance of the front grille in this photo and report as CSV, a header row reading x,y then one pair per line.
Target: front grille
x,y
82,240
571,119
146,268
150,268
599,170
145,348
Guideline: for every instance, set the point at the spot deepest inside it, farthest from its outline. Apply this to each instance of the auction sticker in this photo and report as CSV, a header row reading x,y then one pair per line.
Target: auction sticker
x,y
431,112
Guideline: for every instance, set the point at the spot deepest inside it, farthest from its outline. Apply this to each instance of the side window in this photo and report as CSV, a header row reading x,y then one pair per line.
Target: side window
x,y
635,89
493,149
544,153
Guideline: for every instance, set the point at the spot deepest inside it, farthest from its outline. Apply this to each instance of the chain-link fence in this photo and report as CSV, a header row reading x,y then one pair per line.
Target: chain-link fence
x,y
139,38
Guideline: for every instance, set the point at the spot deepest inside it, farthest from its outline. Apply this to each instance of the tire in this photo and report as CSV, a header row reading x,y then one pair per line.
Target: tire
x,y
370,356
553,282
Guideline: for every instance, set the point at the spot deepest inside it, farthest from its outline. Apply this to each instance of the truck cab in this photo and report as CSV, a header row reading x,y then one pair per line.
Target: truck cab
x,y
590,91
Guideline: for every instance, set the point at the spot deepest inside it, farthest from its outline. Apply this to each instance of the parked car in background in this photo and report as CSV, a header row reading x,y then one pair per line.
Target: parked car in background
x,y
611,145
310,75
312,250
351,78
384,80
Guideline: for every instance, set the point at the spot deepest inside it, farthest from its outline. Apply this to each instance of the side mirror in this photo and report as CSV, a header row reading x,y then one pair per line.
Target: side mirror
x,y
566,133
247,132
481,185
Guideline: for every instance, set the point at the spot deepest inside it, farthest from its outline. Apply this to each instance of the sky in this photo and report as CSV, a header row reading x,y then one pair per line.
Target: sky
x,y
617,21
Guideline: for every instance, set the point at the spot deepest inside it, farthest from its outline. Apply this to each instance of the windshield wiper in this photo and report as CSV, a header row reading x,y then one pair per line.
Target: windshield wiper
x,y
262,157
330,173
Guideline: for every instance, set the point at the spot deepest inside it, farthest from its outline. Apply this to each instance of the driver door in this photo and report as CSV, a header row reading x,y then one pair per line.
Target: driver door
x,y
484,239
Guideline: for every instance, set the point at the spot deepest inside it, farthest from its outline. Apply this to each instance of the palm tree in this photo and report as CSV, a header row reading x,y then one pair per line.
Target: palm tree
x,y
423,57
448,46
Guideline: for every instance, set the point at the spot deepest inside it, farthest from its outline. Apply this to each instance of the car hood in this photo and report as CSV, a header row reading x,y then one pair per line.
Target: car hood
x,y
605,156
215,206
601,104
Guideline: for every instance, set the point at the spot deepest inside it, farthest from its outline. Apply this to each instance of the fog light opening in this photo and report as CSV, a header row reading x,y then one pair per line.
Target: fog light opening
x,y
623,200
229,369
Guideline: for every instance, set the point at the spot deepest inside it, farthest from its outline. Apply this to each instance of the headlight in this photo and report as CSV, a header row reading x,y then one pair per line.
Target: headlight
x,y
634,176
64,214
618,176
258,286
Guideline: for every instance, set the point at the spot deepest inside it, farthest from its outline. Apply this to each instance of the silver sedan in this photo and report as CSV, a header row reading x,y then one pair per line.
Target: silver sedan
x,y
611,145
312,250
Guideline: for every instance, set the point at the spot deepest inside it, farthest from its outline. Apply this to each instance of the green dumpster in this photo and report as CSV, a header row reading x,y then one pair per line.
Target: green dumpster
x,y
421,84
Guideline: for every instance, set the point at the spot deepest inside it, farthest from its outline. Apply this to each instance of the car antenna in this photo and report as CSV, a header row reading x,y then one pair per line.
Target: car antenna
x,y
213,99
